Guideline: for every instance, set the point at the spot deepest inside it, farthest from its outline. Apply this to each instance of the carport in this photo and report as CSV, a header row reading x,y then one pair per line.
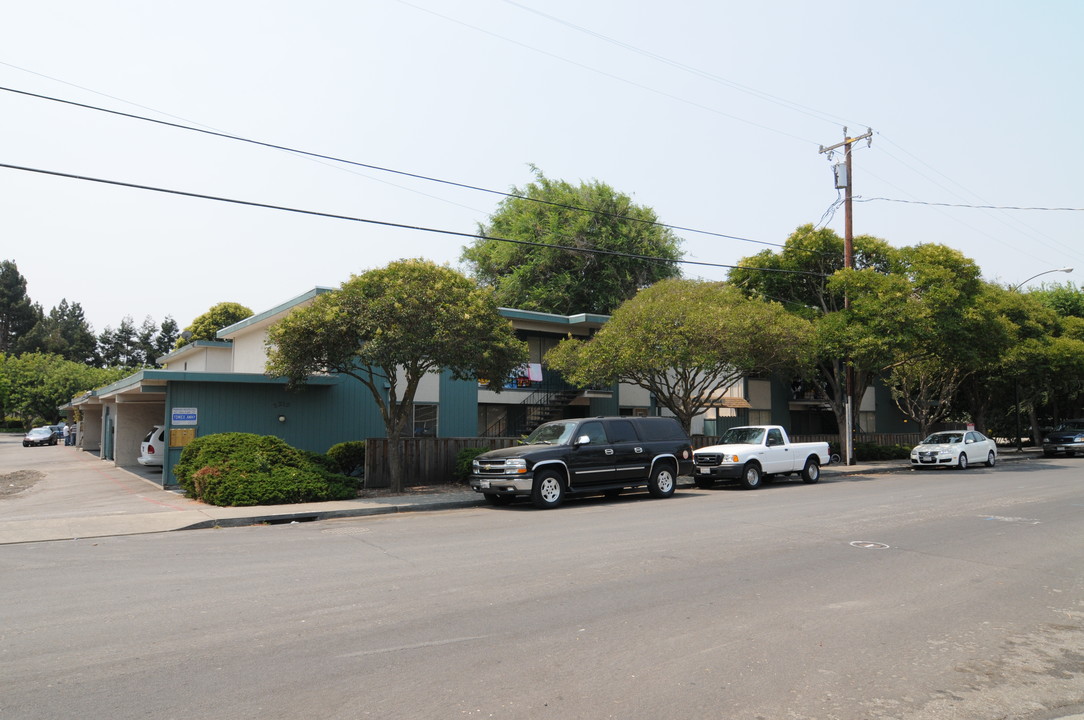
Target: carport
x,y
115,419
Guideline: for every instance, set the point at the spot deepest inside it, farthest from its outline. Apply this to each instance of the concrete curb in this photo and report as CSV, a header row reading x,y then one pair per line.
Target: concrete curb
x,y
286,518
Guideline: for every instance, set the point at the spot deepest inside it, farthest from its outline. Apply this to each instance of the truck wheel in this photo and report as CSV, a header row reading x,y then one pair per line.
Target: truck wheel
x,y
495,499
811,473
962,462
751,476
661,483
548,490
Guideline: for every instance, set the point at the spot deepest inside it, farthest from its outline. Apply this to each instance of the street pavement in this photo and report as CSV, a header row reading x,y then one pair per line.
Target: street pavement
x,y
81,496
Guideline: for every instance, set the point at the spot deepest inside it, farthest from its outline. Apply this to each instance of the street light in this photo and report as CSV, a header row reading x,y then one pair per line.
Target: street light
x,y
1015,288
1044,272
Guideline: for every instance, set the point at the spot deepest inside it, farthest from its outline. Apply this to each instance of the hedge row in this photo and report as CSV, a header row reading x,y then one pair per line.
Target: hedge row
x,y
230,469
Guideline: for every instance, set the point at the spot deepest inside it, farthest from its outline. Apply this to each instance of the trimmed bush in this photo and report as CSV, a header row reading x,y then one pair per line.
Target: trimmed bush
x,y
464,459
244,469
348,457
864,452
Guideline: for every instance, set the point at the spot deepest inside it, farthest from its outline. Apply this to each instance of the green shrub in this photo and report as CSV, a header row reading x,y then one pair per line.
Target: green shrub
x,y
464,459
246,469
348,457
864,452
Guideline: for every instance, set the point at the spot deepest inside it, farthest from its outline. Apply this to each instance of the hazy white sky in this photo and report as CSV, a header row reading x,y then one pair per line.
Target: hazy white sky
x,y
710,112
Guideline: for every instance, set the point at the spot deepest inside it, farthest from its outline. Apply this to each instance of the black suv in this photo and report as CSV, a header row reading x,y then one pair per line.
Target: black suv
x,y
1067,438
586,455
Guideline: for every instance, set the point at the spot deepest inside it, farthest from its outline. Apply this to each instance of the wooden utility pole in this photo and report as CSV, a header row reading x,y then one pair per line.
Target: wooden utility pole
x,y
847,435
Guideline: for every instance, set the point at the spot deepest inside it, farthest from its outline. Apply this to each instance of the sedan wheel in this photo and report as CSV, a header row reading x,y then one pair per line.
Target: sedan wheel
x,y
991,459
962,462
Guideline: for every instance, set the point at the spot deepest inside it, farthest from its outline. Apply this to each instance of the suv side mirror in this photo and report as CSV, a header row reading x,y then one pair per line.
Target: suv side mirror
x,y
583,440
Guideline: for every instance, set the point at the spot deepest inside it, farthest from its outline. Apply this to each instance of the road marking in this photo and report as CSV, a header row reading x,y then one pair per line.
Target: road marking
x,y
869,545
417,646
1026,521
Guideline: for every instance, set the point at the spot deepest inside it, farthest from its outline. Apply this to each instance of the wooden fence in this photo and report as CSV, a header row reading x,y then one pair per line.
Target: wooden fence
x,y
426,460
430,460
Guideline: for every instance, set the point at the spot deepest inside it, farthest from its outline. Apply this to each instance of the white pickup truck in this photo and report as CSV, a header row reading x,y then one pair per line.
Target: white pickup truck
x,y
754,452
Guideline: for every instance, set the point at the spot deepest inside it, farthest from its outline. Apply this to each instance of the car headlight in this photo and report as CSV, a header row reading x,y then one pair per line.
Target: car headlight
x,y
944,452
476,465
515,466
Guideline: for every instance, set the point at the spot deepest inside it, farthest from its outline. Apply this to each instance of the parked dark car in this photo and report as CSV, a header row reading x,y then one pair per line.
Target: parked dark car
x,y
40,436
586,456
1067,438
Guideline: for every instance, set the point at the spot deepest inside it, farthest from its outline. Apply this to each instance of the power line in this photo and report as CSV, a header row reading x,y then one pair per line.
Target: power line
x,y
385,223
403,173
963,205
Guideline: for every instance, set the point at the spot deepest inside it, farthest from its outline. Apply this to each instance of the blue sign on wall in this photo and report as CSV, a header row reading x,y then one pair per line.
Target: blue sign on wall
x,y
183,416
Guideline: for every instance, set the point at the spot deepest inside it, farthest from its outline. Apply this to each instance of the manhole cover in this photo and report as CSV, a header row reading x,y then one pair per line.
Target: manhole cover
x,y
867,545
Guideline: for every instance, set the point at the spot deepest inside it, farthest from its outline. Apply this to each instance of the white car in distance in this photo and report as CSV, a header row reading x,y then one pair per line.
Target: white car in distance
x,y
954,448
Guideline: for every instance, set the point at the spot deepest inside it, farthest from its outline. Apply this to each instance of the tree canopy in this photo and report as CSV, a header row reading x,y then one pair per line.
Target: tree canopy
x,y
389,327
34,385
545,218
17,315
207,325
686,341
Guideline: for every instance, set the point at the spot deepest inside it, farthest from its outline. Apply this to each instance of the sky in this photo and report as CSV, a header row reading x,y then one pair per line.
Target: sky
x,y
711,113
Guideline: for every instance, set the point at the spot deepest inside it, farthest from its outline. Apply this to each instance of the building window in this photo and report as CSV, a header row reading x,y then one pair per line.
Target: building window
x,y
425,421
760,417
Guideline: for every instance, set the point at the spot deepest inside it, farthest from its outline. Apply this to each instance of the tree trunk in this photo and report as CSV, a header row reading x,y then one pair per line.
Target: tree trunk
x,y
395,461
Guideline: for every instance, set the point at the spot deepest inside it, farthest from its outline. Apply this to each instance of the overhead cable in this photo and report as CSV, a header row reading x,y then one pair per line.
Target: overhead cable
x,y
385,223
403,173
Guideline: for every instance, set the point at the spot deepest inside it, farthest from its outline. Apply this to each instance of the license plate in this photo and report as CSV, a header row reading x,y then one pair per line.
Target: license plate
x,y
704,471
484,484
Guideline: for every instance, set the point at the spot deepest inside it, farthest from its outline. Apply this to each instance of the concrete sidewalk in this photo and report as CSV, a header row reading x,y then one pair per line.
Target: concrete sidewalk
x,y
80,496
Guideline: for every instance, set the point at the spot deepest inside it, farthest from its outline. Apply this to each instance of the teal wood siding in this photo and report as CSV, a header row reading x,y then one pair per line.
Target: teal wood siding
x,y
889,419
317,416
606,406
457,414
780,389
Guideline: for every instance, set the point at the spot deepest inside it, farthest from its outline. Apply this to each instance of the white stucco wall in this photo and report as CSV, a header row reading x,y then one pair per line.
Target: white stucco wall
x,y
249,351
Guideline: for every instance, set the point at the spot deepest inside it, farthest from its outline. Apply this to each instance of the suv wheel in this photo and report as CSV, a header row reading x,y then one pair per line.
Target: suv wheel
x,y
751,476
548,490
662,482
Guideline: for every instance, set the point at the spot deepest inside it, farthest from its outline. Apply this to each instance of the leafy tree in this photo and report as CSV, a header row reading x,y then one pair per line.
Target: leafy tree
x,y
905,305
37,384
798,275
17,315
686,341
1066,300
925,390
164,342
535,274
120,347
65,332
387,328
207,325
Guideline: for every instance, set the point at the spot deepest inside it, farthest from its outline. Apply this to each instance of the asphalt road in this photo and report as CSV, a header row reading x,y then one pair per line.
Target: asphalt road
x,y
911,596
